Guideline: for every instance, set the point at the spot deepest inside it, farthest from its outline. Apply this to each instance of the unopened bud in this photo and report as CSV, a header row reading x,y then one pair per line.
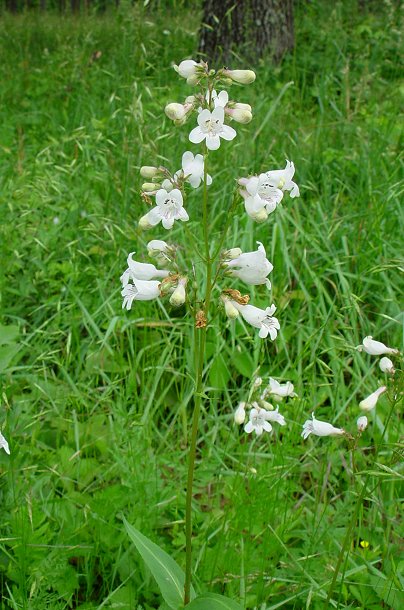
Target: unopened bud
x,y
144,223
187,68
362,423
243,77
231,311
149,171
257,382
156,247
240,106
150,187
175,111
239,414
266,405
260,216
386,365
238,115
178,296
232,253
193,79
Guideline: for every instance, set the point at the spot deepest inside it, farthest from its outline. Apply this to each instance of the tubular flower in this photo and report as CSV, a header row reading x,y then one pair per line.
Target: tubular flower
x,y
243,77
193,169
276,417
260,318
190,70
362,423
320,428
387,366
141,271
279,391
168,209
375,348
4,444
251,267
258,421
282,179
239,414
369,403
211,128
220,100
259,195
140,290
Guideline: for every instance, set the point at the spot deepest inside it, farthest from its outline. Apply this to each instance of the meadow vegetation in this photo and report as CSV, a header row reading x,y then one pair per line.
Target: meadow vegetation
x,y
95,401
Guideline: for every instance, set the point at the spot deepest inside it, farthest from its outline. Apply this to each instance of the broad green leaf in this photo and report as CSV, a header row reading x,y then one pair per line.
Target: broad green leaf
x,y
219,374
243,363
7,353
168,574
213,601
8,334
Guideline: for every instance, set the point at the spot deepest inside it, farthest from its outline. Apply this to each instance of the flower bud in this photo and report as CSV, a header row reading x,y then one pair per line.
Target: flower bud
x,y
370,401
386,365
174,111
149,171
190,99
193,79
239,414
260,216
156,247
266,405
257,382
187,68
232,253
362,423
243,77
150,187
231,311
241,106
238,115
178,296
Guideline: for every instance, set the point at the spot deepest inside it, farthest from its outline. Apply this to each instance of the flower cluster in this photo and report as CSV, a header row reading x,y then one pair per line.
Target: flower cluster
x,y
261,412
166,194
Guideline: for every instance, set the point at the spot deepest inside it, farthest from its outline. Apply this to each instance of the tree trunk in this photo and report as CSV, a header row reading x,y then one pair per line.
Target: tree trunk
x,y
248,28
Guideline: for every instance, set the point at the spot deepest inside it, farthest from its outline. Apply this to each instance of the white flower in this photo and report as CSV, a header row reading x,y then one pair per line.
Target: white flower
x,y
156,247
211,127
239,414
4,444
260,194
179,295
188,69
282,179
362,423
375,348
320,428
258,421
141,271
276,416
279,391
168,209
193,169
220,100
243,77
369,403
260,318
140,290
386,365
251,267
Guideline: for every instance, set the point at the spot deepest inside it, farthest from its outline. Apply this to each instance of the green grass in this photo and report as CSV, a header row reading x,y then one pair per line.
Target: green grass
x,y
95,401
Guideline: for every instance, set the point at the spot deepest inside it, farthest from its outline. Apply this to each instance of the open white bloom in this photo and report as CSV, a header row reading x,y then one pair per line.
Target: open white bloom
x,y
220,100
211,128
140,290
282,179
260,318
4,444
239,414
276,417
141,271
369,403
387,366
193,169
375,348
362,423
259,195
251,267
258,421
320,428
278,390
168,209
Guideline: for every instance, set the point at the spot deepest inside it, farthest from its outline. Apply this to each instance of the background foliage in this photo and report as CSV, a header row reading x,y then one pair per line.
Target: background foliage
x,y
95,400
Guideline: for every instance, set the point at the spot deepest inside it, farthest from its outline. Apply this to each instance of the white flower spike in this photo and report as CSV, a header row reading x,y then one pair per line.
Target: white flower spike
x,y
320,428
168,209
239,414
4,444
193,169
258,421
260,318
251,267
282,179
362,423
369,403
140,290
211,128
141,271
387,366
375,348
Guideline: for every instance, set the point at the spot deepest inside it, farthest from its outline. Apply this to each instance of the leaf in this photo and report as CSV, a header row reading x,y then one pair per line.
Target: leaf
x,y
7,353
168,574
8,334
243,363
213,601
219,374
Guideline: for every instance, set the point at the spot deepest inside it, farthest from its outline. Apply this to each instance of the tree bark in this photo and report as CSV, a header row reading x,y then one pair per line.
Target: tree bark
x,y
248,28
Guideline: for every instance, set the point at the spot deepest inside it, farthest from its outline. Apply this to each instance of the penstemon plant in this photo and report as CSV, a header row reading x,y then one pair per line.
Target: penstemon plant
x,y
166,192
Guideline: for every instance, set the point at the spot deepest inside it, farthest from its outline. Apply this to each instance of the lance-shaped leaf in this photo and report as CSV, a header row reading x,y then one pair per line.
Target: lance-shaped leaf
x,y
213,601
